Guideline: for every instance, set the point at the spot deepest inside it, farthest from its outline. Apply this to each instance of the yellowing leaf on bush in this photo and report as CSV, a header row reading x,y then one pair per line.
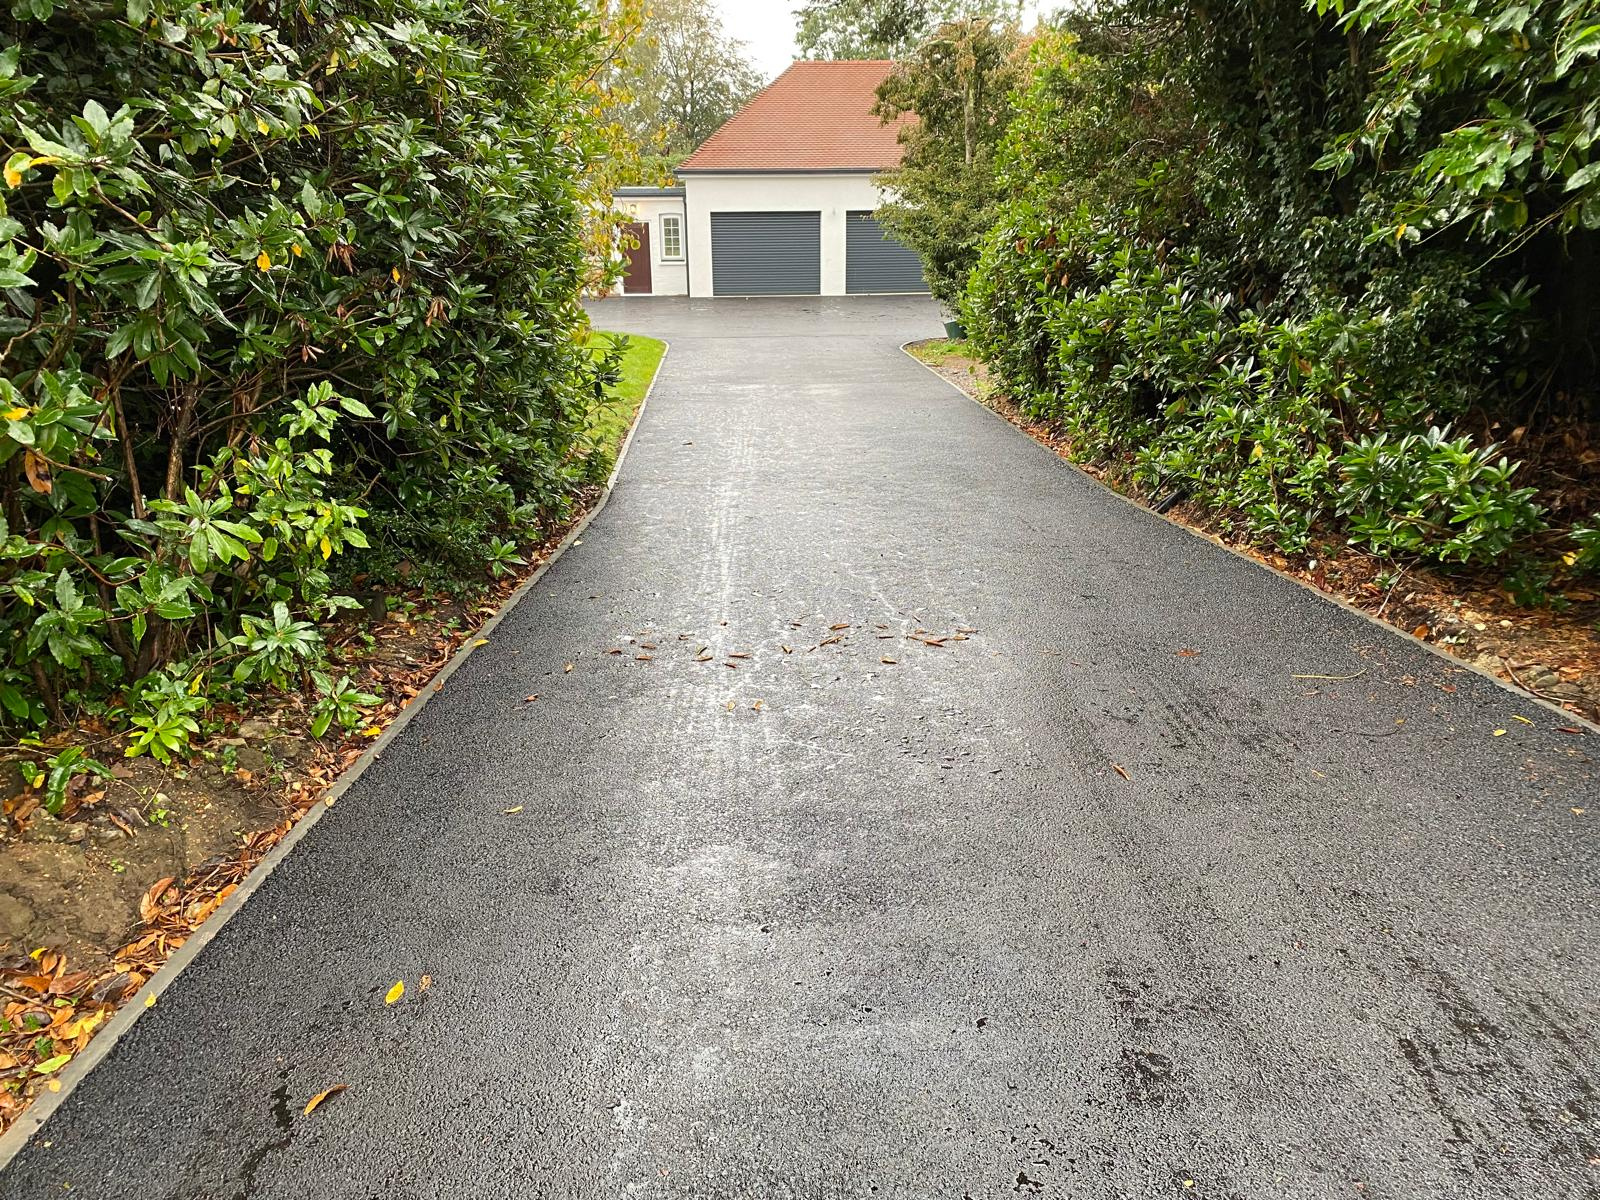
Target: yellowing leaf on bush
x,y
294,249
394,274
394,993
16,414
263,261
326,547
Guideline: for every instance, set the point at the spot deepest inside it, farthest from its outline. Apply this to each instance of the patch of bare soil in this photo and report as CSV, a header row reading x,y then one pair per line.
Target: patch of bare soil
x,y
93,901
1549,652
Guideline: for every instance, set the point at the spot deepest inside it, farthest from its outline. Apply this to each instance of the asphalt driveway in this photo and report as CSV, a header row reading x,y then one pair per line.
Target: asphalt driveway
x,y
855,901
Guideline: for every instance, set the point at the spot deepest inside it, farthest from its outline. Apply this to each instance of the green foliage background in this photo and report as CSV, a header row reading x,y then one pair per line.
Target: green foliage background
x,y
1305,264
290,293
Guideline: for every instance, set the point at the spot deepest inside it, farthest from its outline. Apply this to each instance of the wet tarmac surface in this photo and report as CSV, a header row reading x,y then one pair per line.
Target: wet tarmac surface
x,y
944,827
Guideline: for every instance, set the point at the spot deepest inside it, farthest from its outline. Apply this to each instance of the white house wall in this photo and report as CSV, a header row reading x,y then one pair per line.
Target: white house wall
x,y
666,278
832,193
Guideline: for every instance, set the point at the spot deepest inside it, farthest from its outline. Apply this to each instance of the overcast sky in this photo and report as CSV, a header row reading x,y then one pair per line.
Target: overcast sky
x,y
767,28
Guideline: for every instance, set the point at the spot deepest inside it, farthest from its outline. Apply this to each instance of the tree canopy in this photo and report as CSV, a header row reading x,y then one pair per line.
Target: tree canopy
x,y
680,81
884,28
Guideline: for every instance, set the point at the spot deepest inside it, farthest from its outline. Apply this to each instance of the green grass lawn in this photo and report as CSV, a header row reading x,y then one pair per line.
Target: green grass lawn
x,y
939,350
639,363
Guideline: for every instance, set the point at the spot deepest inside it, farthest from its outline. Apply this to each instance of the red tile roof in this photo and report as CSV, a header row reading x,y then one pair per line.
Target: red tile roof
x,y
816,116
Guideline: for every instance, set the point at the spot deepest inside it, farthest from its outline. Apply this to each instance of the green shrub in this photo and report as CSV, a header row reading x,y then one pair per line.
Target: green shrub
x,y
288,295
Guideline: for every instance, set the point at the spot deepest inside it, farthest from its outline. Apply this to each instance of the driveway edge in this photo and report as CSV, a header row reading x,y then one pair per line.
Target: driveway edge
x,y
17,1137
1567,716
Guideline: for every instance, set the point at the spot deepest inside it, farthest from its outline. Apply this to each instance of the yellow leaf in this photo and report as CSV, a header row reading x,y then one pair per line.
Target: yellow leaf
x,y
263,126
326,547
51,1065
514,809
398,990
1570,557
38,781
1499,733
371,731
294,248
394,273
263,261
312,1103
1524,720
150,1000
13,176
16,414
54,1085
481,642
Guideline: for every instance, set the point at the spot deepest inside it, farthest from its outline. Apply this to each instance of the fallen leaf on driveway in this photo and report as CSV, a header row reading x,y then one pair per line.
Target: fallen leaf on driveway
x,y
1357,675
1499,733
1568,729
1188,653
1121,770
394,993
515,808
568,667
1524,720
530,699
312,1103
887,659
481,642
840,625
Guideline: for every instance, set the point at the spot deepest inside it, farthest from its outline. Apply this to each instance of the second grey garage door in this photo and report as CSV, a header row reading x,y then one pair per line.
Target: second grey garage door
x,y
766,253
874,261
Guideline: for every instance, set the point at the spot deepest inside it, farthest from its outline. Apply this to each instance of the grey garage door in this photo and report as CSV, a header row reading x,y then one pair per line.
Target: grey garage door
x,y
766,253
875,262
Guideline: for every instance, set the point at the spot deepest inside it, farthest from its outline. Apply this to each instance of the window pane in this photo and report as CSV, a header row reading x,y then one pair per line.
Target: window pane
x,y
671,237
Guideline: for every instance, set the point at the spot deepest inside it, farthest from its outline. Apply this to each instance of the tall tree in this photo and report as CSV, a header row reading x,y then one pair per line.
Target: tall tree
x,y
885,28
942,197
683,78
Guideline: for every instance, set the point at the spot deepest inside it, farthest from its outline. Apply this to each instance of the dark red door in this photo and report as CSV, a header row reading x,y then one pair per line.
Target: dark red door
x,y
636,275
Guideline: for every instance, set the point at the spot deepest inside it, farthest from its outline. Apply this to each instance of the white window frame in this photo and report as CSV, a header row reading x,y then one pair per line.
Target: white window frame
x,y
665,257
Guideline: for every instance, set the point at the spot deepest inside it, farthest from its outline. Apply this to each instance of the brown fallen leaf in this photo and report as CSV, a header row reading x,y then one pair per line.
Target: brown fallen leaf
x,y
147,903
1568,729
425,982
311,1104
1421,631
1121,770
757,706
738,654
887,659
840,625
965,629
1188,653
530,699
568,667
644,657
